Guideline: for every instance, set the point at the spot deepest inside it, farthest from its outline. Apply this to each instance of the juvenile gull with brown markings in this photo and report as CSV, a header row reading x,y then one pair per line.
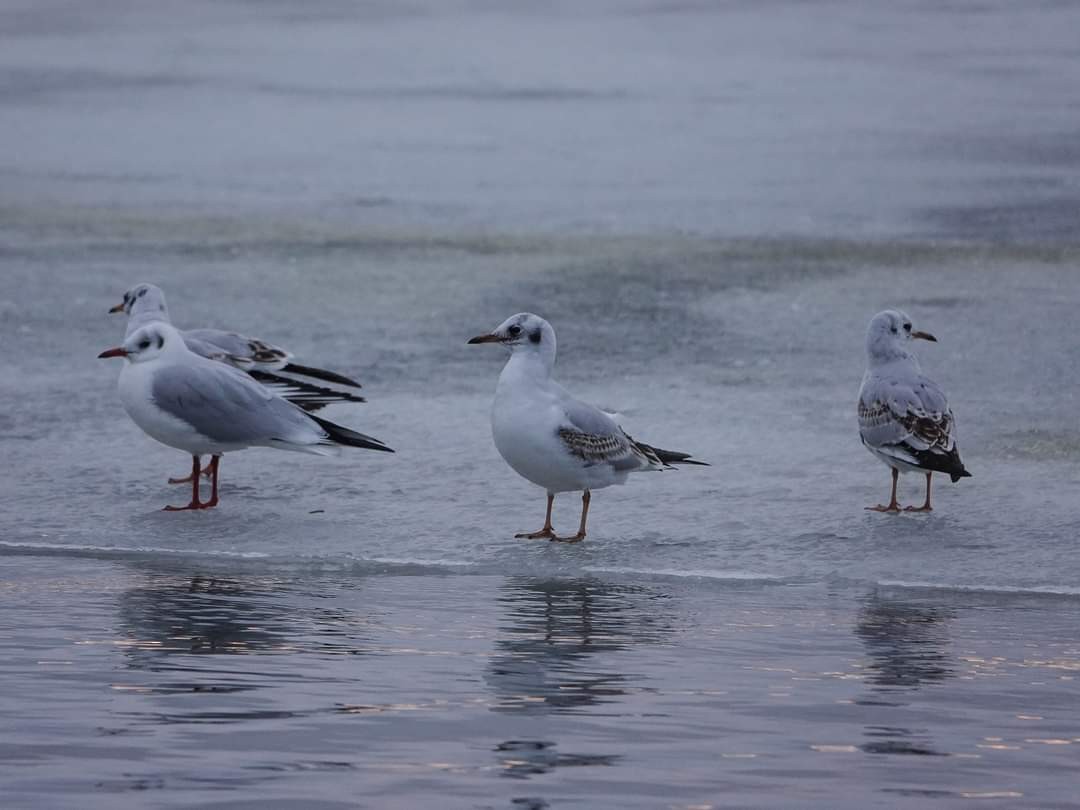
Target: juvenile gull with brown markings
x,y
552,439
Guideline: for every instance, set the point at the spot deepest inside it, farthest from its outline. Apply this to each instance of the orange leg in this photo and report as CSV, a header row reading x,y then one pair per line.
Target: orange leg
x,y
546,533
194,478
893,505
586,496
213,467
187,478
926,507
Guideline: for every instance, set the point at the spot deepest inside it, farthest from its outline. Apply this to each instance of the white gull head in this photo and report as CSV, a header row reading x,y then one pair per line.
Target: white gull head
x,y
888,337
527,336
143,303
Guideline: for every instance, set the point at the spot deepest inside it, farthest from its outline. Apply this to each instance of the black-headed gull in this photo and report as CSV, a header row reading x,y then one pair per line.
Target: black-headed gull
x,y
551,439
204,407
904,418
145,304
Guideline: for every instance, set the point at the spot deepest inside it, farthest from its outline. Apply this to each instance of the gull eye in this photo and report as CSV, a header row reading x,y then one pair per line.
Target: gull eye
x,y
144,343
907,327
514,330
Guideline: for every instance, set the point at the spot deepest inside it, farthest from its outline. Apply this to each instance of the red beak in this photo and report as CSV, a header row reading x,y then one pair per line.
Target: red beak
x,y
118,308
119,351
485,339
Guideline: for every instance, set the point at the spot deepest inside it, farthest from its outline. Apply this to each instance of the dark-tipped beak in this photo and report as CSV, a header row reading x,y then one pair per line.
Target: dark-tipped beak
x,y
119,351
118,308
924,336
484,339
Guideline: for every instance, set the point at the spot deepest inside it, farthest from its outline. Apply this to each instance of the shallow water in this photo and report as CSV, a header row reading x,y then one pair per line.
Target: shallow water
x,y
708,204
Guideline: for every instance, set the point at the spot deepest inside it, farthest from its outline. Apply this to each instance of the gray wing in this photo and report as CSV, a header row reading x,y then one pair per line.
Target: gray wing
x,y
906,418
240,350
224,404
592,435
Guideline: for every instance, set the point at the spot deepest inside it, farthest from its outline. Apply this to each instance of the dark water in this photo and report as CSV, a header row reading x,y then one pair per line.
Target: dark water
x,y
708,202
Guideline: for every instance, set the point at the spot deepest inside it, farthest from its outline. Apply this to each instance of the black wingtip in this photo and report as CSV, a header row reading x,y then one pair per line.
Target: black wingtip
x,y
348,437
320,374
956,476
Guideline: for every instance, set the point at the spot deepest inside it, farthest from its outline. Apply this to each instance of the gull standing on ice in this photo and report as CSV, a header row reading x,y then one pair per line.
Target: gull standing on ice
x,y
552,439
904,418
145,303
204,407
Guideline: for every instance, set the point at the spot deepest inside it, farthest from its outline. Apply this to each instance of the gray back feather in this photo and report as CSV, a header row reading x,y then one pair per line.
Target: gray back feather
x,y
224,404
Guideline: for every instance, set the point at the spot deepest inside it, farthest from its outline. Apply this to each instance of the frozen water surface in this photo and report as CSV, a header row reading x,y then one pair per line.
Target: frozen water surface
x,y
708,203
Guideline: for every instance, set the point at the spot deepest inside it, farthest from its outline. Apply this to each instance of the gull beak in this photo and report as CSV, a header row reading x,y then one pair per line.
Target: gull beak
x,y
924,336
118,308
119,351
484,339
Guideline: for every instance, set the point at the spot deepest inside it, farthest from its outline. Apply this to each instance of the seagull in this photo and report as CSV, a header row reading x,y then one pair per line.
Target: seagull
x,y
205,407
904,418
145,303
551,439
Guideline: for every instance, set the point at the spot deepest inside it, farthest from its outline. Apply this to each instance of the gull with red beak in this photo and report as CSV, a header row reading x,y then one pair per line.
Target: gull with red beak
x,y
309,387
904,417
552,439
205,407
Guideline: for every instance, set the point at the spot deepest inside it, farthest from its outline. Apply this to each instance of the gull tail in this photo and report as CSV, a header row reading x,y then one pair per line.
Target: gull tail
x,y
320,374
670,457
336,434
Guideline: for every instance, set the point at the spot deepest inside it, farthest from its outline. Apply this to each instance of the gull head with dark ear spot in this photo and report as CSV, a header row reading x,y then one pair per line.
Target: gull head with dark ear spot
x,y
145,302
151,341
521,331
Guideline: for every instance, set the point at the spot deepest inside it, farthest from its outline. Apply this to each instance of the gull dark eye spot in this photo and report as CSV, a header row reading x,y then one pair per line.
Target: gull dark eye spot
x,y
893,329
160,341
142,292
535,335
514,330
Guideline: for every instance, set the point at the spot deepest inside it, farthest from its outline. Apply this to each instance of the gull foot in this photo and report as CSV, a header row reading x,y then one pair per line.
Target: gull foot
x,y
543,534
923,508
190,506
577,538
892,507
187,479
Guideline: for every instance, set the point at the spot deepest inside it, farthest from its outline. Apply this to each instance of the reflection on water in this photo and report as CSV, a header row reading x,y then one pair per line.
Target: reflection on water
x,y
547,655
908,647
176,614
907,643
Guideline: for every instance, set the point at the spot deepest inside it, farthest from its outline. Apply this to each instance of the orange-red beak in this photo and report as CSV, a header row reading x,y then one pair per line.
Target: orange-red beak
x,y
924,336
118,308
484,339
119,351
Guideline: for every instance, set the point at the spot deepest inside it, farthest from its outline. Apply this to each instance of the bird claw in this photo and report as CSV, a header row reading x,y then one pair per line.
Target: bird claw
x,y
187,478
543,534
577,538
892,507
923,508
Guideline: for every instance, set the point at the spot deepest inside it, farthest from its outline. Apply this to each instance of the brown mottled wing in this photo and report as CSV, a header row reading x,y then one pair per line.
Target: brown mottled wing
x,y
913,423
616,449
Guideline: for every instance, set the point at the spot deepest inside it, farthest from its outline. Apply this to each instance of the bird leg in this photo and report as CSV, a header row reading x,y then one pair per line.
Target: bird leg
x,y
586,496
187,478
926,507
213,467
893,505
194,479
546,533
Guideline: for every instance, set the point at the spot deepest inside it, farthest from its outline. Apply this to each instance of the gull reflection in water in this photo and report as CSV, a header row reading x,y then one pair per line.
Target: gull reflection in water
x,y
555,645
907,644
557,653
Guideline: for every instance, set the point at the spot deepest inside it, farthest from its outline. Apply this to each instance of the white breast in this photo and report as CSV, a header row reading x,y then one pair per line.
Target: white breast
x,y
135,396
